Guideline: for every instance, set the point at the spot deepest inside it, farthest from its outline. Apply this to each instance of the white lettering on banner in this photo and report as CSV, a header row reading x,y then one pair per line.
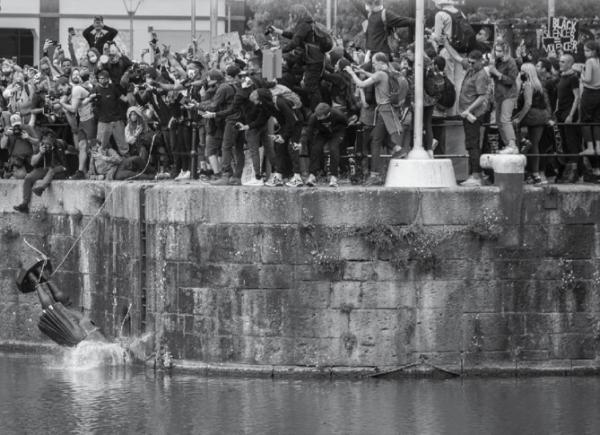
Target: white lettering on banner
x,y
561,36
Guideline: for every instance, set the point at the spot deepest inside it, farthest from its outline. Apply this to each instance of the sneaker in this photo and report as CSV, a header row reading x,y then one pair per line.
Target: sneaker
x,y
275,180
311,181
22,208
295,181
222,181
374,180
472,181
525,146
234,181
255,182
179,176
434,144
589,151
333,181
399,153
539,180
38,190
511,149
186,175
162,176
430,154
77,176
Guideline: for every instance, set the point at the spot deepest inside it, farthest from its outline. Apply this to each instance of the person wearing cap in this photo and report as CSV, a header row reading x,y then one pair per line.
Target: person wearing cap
x,y
387,123
232,149
99,34
473,102
109,109
380,22
48,162
325,129
117,64
18,141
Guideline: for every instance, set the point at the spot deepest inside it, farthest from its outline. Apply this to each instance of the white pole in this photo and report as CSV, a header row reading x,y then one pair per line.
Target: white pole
x,y
328,5
335,14
193,19
418,152
214,15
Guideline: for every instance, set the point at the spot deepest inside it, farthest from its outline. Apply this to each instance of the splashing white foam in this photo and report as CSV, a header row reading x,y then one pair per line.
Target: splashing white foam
x,y
93,354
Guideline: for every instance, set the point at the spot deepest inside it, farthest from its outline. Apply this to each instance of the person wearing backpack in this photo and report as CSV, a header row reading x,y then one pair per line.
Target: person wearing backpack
x,y
451,26
304,37
379,24
391,90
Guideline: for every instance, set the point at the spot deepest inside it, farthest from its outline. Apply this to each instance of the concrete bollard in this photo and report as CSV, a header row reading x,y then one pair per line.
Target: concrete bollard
x,y
509,170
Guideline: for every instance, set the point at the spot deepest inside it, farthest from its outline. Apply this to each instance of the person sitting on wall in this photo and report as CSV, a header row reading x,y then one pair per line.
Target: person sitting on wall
x,y
99,34
49,163
18,143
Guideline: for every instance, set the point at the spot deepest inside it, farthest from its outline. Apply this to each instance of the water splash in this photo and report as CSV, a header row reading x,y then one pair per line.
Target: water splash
x,y
93,354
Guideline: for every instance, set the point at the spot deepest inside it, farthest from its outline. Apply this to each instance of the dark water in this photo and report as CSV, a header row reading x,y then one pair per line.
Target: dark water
x,y
38,399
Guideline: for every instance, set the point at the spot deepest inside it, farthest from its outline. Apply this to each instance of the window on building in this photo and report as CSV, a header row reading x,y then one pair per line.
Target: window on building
x,y
17,43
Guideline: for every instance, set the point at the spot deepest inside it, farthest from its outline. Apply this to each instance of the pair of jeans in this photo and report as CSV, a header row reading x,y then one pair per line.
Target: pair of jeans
x,y
317,148
379,135
472,143
44,174
504,112
232,151
255,138
116,129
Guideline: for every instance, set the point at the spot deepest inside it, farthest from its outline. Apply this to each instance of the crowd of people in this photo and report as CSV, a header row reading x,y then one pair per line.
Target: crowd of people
x,y
336,111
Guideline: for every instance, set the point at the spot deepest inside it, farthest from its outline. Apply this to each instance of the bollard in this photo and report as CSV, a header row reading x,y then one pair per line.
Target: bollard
x,y
509,170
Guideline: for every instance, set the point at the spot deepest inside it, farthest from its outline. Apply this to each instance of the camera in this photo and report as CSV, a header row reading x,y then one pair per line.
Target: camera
x,y
269,30
136,76
17,131
523,77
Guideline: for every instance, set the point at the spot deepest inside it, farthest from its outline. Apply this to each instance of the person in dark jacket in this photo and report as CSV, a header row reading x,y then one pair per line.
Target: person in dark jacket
x,y
302,38
99,34
379,24
49,163
233,141
325,129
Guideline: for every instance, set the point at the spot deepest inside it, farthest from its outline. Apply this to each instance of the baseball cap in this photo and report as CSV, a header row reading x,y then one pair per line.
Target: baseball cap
x,y
15,119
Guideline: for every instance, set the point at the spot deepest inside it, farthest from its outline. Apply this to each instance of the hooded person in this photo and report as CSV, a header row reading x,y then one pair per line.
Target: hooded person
x,y
137,132
379,24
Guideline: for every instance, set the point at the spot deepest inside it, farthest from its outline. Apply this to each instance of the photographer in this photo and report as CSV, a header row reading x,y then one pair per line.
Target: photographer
x,y
18,143
49,163
99,34
117,64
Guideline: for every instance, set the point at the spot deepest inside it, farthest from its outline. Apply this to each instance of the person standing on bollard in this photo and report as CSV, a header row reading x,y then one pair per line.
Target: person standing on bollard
x,y
472,105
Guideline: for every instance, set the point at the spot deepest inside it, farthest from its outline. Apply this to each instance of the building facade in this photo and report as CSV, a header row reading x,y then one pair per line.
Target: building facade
x,y
25,25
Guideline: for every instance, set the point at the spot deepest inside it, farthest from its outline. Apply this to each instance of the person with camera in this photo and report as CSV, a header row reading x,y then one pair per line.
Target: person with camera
x,y
109,99
17,141
117,64
48,162
82,106
99,34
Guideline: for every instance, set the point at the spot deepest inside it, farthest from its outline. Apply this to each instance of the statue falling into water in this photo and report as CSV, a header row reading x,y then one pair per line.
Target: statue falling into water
x,y
62,325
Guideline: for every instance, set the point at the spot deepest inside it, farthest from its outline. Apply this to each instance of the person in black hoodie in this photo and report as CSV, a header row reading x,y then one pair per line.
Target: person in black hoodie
x,y
378,26
325,128
232,150
303,38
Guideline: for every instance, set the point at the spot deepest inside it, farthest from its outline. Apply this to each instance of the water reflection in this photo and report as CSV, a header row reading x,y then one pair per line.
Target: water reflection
x,y
36,398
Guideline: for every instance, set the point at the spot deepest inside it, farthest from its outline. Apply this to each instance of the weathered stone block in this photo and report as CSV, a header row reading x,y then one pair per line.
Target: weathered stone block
x,y
360,271
438,330
346,294
310,294
571,241
355,249
573,346
279,244
444,294
389,294
276,276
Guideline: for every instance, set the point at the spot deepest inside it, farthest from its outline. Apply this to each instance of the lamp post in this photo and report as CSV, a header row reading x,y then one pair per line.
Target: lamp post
x,y
418,152
193,27
214,16
131,10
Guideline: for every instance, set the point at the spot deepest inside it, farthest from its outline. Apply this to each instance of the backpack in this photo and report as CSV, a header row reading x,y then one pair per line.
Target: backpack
x,y
448,96
434,83
288,94
322,38
398,87
463,34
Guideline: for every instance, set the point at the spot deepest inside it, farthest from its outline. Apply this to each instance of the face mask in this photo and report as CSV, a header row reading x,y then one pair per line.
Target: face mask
x,y
93,59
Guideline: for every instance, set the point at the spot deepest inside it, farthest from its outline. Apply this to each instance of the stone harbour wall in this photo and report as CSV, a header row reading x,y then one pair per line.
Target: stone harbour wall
x,y
365,280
